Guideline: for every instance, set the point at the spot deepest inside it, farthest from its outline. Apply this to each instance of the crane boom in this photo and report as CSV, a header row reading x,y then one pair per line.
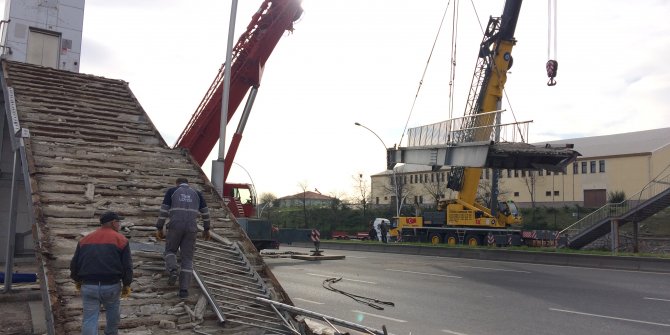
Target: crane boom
x,y
250,54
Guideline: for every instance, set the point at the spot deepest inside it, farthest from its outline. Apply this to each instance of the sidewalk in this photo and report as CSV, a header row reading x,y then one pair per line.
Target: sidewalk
x,y
21,309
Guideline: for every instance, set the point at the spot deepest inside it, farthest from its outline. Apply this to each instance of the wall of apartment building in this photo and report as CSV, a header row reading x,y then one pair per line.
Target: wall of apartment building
x,y
596,177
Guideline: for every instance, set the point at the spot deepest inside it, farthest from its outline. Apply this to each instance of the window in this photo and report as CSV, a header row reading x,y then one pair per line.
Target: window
x,y
540,172
432,177
516,173
523,173
509,173
377,201
556,193
516,194
583,167
548,193
602,165
593,166
421,199
575,168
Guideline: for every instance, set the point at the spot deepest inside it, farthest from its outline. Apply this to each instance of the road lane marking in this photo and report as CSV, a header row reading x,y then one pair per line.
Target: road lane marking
x,y
423,273
610,317
309,301
356,280
494,269
378,316
452,332
659,299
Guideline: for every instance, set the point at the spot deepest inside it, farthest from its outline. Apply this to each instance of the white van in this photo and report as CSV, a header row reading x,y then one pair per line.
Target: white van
x,y
377,226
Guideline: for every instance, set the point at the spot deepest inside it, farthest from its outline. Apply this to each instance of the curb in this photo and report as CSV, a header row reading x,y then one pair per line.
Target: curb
x,y
646,264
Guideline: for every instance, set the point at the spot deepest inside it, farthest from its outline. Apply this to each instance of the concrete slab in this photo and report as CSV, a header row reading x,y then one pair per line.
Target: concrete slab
x,y
37,316
317,258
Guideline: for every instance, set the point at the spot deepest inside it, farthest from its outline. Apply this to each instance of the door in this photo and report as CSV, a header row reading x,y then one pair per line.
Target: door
x,y
43,48
595,198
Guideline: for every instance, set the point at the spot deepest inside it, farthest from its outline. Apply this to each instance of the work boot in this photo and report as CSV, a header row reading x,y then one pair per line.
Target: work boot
x,y
183,294
172,279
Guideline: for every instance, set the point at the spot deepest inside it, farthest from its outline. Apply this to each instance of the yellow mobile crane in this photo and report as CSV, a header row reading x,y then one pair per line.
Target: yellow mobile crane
x,y
473,147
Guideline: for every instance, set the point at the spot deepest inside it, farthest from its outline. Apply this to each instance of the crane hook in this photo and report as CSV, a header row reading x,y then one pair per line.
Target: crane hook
x,y
552,68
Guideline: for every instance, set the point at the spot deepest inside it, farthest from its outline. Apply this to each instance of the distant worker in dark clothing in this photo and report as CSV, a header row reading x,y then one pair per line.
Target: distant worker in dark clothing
x,y
100,264
384,229
181,204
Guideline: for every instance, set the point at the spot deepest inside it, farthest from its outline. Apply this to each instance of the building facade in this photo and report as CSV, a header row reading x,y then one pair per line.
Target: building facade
x,y
308,198
611,163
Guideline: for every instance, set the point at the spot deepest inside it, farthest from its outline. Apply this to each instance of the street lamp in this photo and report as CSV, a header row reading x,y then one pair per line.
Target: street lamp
x,y
395,180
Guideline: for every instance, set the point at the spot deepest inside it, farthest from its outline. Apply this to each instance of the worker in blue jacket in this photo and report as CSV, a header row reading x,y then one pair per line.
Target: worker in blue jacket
x,y
182,204
101,263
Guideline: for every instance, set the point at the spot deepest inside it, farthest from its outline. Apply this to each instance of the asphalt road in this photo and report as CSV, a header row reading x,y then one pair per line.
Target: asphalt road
x,y
438,295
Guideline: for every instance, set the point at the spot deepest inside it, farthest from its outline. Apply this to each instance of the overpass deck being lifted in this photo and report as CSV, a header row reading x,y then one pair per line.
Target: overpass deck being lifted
x,y
445,144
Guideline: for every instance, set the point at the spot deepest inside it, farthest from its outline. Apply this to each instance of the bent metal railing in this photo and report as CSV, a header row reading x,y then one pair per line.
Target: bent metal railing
x,y
612,210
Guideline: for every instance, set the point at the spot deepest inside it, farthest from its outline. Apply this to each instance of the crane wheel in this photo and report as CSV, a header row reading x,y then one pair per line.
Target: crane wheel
x,y
452,239
435,238
473,240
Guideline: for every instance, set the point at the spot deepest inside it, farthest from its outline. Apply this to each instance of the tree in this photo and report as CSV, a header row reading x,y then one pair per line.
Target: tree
x,y
267,199
437,187
303,185
362,191
531,180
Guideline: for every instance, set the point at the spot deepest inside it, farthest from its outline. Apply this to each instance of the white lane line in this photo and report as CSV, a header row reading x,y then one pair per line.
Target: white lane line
x,y
658,299
378,316
356,280
494,269
610,317
452,332
423,273
309,301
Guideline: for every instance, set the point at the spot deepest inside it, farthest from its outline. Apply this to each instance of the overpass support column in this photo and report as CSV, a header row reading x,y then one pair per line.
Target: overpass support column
x,y
615,235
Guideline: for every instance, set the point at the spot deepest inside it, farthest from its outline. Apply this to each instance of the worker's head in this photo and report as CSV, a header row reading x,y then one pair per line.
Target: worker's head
x,y
182,180
111,219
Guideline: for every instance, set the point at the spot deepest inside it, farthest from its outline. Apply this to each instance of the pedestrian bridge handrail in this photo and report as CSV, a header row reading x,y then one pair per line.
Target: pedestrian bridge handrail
x,y
456,130
611,210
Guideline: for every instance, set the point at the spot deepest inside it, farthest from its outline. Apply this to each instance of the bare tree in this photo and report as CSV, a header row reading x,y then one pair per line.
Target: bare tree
x,y
399,190
362,188
530,180
267,199
437,187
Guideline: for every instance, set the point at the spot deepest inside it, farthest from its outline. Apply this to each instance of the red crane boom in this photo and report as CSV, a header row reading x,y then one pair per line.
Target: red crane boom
x,y
252,50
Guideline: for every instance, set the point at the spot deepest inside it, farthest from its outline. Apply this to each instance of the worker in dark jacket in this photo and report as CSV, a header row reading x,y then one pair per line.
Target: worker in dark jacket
x,y
181,204
100,264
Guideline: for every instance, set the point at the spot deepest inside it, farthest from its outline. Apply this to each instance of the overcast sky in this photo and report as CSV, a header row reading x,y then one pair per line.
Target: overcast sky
x,y
361,61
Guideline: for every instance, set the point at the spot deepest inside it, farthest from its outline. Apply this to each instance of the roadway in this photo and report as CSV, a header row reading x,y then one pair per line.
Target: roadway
x,y
442,295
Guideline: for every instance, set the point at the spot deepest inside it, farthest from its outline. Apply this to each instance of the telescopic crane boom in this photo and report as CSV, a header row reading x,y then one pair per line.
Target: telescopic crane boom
x,y
249,56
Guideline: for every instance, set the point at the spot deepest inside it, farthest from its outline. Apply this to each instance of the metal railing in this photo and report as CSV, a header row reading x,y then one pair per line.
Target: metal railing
x,y
613,210
452,131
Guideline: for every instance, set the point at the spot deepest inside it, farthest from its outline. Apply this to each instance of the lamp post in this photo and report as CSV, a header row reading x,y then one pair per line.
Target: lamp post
x,y
395,180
